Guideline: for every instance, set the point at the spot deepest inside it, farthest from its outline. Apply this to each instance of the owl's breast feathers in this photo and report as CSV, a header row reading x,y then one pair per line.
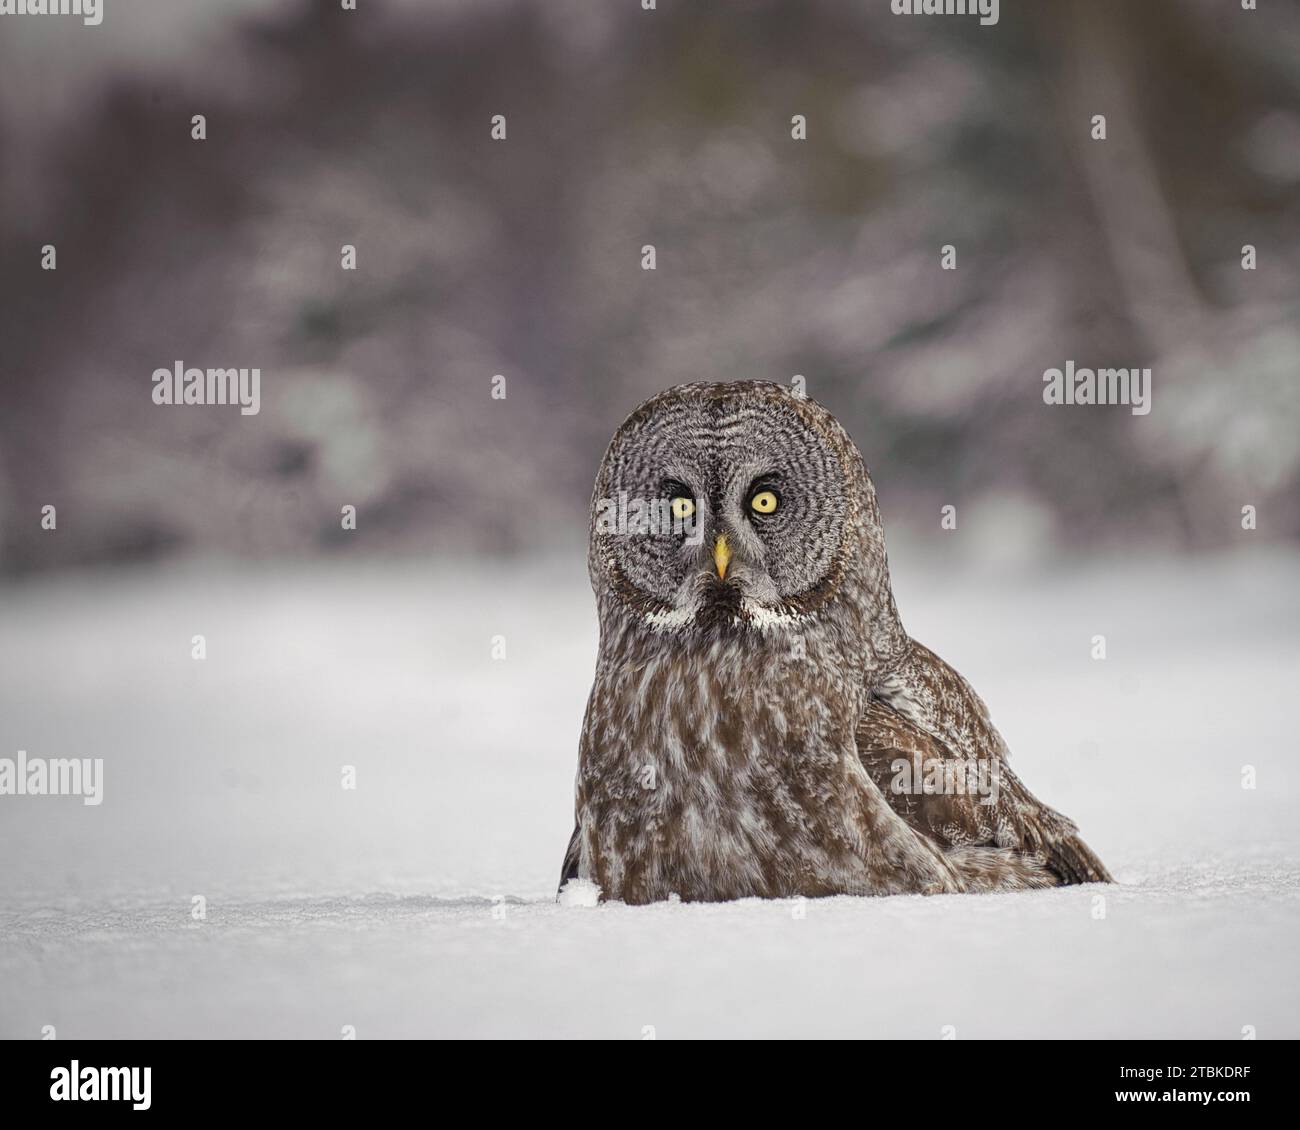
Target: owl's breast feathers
x,y
720,770
928,742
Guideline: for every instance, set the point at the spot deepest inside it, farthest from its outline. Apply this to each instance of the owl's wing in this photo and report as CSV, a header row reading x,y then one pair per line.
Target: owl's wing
x,y
927,741
569,868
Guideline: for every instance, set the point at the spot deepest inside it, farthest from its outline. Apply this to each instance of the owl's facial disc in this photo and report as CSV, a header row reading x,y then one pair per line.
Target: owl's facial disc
x,y
720,513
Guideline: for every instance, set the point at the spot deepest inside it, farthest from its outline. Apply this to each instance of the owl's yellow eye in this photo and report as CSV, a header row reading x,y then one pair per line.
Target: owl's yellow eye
x,y
683,507
764,502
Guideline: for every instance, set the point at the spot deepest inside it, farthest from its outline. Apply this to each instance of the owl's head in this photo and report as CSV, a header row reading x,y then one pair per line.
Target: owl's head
x,y
730,507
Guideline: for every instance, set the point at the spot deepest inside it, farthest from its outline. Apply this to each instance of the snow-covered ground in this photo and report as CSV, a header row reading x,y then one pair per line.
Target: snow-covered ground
x,y
420,902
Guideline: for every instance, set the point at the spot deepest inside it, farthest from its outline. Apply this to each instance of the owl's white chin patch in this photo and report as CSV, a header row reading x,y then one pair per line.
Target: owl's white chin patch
x,y
761,616
755,615
666,620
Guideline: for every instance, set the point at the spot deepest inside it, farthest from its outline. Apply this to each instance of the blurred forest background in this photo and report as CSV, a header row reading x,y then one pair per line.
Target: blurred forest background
x,y
776,257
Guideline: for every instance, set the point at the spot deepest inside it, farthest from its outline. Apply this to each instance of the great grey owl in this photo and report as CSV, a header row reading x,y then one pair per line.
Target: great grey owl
x,y
760,723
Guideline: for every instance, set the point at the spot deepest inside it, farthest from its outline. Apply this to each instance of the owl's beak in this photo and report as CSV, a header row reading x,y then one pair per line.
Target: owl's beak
x,y
721,556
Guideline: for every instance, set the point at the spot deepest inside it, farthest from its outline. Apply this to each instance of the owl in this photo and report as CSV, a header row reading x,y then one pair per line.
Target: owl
x,y
760,723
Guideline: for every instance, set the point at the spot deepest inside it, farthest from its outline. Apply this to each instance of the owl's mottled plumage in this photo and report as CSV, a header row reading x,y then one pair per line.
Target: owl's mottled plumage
x,y
744,730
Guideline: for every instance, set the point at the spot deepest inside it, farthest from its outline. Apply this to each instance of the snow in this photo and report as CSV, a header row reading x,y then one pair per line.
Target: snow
x,y
579,892
421,903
